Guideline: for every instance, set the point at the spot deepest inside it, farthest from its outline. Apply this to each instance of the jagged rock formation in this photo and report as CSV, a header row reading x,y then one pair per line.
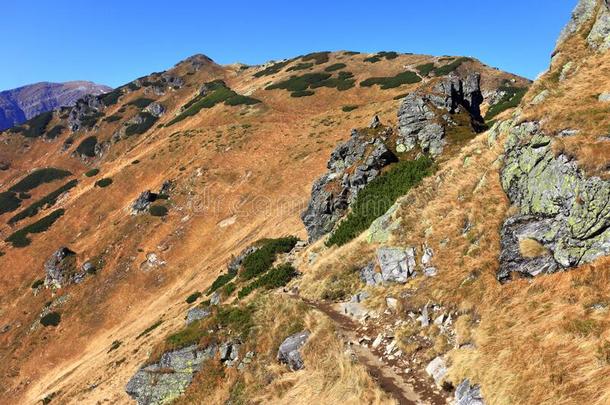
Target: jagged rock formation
x,y
289,351
352,166
60,268
561,208
598,37
162,382
397,264
20,104
466,394
424,117
197,313
86,110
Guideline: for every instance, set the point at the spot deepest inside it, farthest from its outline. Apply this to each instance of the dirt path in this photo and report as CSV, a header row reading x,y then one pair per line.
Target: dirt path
x,y
407,387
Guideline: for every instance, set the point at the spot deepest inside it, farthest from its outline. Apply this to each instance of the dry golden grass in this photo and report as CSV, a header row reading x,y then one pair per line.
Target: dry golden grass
x,y
531,248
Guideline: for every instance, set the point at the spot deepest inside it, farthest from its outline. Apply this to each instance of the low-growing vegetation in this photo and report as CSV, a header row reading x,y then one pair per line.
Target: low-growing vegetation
x,y
301,86
193,297
158,210
87,147
425,69
348,108
92,172
334,67
273,69
47,201
141,102
222,280
318,57
218,92
147,121
380,55
274,278
392,81
261,260
300,66
37,125
54,132
8,202
511,99
20,237
51,319
378,196
450,67
112,97
105,182
38,177
150,329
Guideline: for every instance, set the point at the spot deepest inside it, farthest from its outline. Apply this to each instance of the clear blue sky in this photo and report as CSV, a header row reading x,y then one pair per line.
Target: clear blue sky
x,y
113,42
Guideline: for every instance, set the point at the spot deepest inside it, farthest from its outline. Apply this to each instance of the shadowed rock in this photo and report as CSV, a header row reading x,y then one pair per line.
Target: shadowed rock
x,y
289,351
60,268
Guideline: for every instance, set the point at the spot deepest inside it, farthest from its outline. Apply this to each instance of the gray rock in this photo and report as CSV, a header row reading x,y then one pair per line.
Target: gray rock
x,y
166,187
369,276
585,10
599,36
604,97
163,382
197,313
437,369
351,167
289,351
143,202
375,122
236,262
397,264
155,109
229,353
215,298
85,109
60,268
466,394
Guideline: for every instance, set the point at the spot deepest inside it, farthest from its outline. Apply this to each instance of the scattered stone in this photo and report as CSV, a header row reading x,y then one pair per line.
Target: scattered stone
x,y
437,369
143,202
155,109
375,123
397,264
604,97
392,303
163,382
152,262
229,353
289,351
540,97
197,313
424,317
377,341
86,109
466,394
369,276
430,271
60,268
215,298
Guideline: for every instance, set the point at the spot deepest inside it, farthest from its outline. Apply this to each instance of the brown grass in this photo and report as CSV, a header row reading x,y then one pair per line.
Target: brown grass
x,y
531,248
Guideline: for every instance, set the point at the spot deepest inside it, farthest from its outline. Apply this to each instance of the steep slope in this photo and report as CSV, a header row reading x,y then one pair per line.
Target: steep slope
x,y
229,154
20,104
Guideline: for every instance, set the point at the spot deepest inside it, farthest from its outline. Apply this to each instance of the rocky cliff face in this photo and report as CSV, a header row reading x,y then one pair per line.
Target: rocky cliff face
x,y
21,104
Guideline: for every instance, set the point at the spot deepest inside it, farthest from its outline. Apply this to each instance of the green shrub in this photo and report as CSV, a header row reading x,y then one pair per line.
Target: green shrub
x,y
511,99
393,81
188,336
378,196
351,53
317,57
238,319
262,259
302,93
8,202
450,67
51,319
343,81
47,201
228,289
54,132
274,278
335,66
105,182
299,83
87,147
113,118
89,120
193,297
115,345
150,329
24,196
273,69
425,69
37,125
221,281
380,55
112,97
141,102
372,59
38,177
135,162
20,237
299,66
148,120
348,108
158,210
218,93
38,283
92,172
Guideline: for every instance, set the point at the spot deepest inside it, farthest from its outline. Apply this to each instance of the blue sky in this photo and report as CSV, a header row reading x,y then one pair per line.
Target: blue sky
x,y
113,42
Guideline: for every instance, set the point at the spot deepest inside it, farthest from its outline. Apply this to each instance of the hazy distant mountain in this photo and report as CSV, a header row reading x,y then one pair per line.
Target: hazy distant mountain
x,y
20,104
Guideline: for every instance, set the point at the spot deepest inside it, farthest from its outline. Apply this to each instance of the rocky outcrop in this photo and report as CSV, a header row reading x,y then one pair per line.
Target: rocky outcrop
x,y
423,118
142,203
561,208
598,37
21,104
467,394
397,264
60,268
196,314
84,113
155,109
163,382
352,166
289,352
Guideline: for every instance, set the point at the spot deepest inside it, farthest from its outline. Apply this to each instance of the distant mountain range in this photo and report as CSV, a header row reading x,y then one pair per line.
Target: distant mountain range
x,y
20,104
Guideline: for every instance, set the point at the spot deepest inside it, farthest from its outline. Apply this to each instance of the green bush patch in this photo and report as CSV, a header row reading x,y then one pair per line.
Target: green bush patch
x,y
38,177
335,66
378,196
393,81
222,280
302,93
51,319
450,67
54,132
112,97
274,278
380,55
47,201
20,237
105,182
38,283
148,120
89,120
92,172
150,329
299,85
9,202
218,92
273,69
113,118
37,125
348,108
425,69
317,57
87,147
511,99
193,297
299,66
262,259
158,210
141,102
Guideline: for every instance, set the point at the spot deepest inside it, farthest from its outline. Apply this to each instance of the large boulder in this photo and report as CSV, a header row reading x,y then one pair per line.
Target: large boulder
x,y
437,369
142,203
197,313
396,264
84,111
351,167
467,394
289,352
60,268
163,382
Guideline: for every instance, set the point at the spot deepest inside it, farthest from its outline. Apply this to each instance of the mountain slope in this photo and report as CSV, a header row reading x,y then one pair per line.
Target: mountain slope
x,y
241,147
20,104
